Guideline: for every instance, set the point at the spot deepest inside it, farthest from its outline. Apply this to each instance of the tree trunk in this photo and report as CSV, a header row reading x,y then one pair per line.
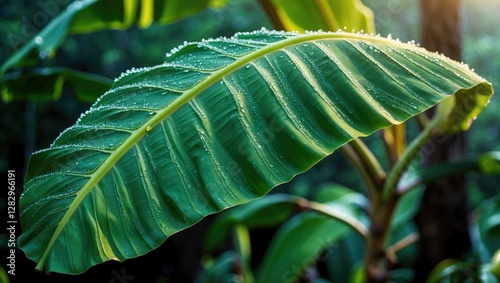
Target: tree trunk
x,y
442,218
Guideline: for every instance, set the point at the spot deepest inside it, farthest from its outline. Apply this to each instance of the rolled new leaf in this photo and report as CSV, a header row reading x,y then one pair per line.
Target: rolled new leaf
x,y
220,123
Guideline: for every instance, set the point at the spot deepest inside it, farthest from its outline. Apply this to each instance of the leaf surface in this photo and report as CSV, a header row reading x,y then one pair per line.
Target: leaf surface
x,y
308,234
487,227
344,258
220,123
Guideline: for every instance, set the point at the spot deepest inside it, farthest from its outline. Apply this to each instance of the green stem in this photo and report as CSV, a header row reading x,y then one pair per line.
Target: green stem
x,y
405,159
376,257
422,120
443,110
242,243
356,161
369,161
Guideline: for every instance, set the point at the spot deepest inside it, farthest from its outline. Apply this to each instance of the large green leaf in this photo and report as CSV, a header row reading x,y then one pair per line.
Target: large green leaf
x,y
90,15
220,123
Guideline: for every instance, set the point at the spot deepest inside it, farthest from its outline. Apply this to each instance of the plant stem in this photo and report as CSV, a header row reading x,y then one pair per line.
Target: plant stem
x,y
376,258
394,142
355,159
403,162
377,261
242,243
422,120
369,161
400,245
337,214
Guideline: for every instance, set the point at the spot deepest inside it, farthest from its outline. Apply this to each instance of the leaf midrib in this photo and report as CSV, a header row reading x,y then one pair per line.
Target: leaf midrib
x,y
139,133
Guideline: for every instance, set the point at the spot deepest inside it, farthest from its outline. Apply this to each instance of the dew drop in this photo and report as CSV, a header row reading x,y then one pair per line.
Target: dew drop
x,y
78,5
42,54
75,6
148,128
39,40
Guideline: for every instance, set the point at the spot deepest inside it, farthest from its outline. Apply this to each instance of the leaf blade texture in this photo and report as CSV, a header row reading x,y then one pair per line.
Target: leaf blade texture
x,y
220,123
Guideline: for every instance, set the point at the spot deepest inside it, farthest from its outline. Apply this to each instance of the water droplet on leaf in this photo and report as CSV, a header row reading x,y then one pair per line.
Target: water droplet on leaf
x,y
39,40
